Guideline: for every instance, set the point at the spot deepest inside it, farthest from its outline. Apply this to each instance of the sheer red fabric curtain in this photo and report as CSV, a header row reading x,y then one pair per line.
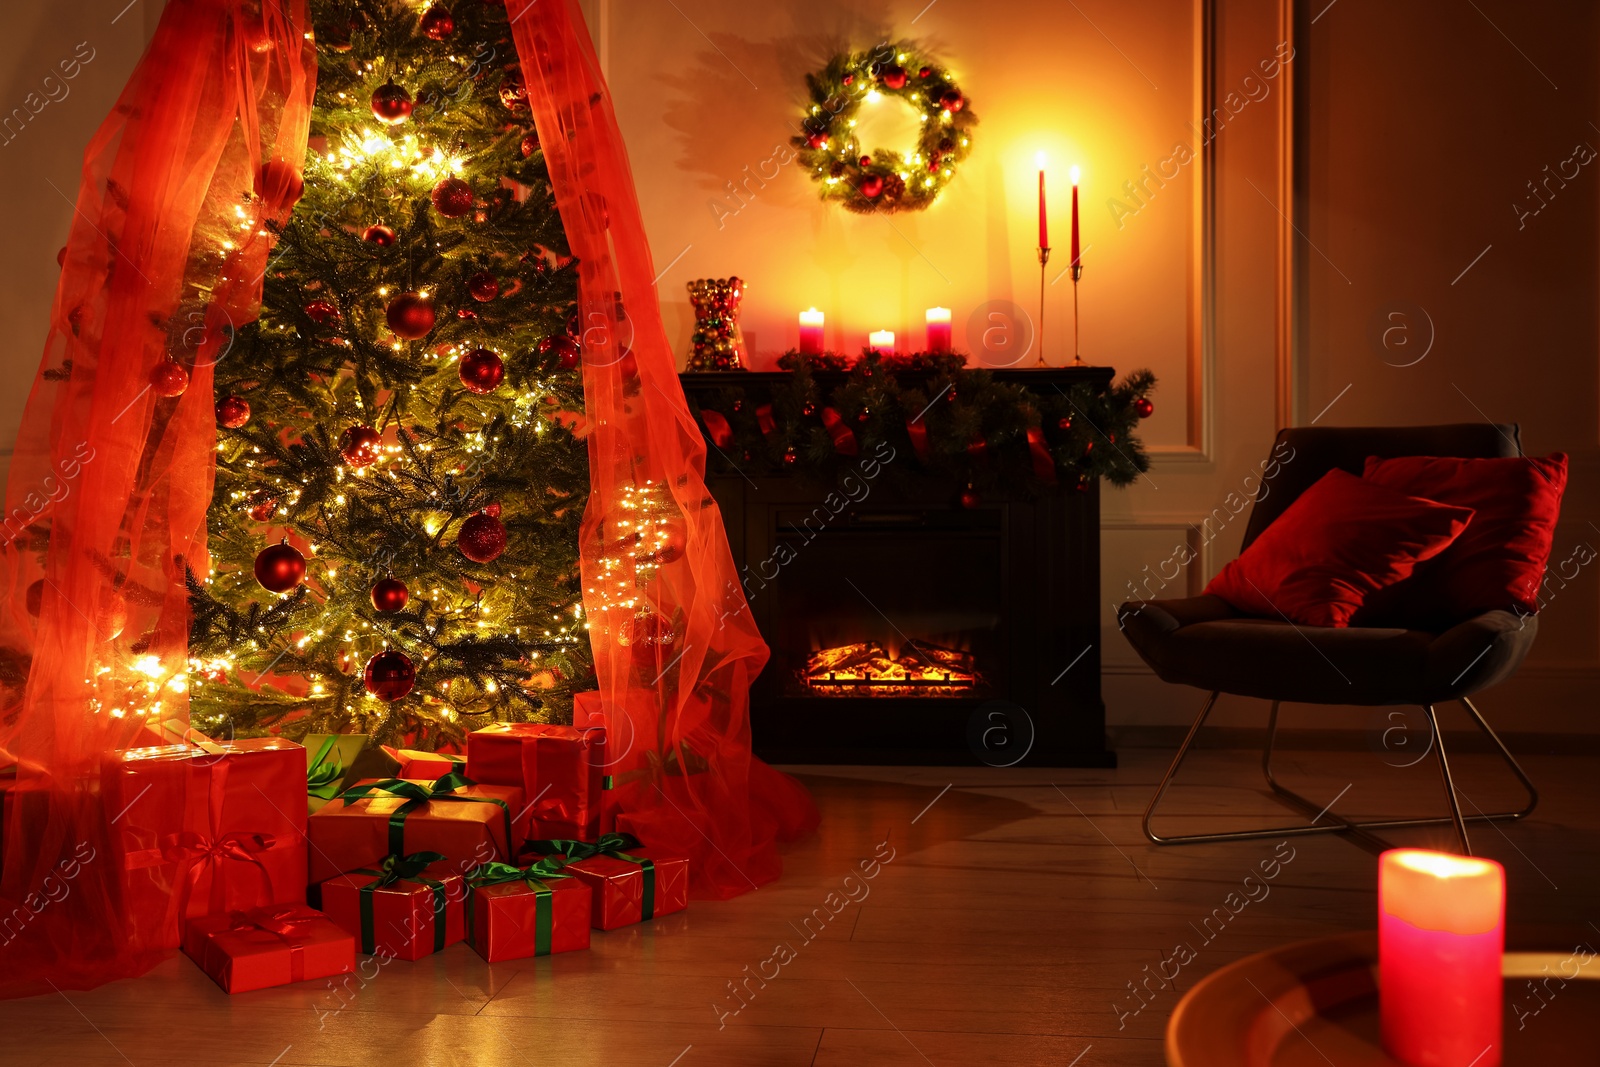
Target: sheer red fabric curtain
x,y
109,483
675,647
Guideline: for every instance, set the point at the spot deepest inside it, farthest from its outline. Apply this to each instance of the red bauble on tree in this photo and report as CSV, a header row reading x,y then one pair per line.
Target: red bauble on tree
x,y
482,370
452,198
391,103
280,567
359,445
390,675
483,286
380,235
513,93
279,185
1143,408
482,538
970,498
233,412
261,504
530,143
411,315
321,312
563,347
168,379
390,594
437,23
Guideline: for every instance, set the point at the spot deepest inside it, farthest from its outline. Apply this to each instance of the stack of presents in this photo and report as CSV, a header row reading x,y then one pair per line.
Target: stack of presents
x,y
294,858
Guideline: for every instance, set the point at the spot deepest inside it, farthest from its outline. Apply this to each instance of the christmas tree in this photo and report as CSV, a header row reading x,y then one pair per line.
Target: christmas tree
x,y
399,480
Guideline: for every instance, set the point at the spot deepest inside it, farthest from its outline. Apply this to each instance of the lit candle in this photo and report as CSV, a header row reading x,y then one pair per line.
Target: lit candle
x,y
1044,223
938,329
811,332
1441,935
882,340
1074,261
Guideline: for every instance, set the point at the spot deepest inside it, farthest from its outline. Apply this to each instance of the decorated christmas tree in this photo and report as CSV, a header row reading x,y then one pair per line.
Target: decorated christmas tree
x,y
394,531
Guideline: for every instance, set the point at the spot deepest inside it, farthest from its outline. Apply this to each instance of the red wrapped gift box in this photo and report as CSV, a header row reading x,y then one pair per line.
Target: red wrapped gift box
x,y
415,763
559,768
630,884
410,907
516,912
207,830
467,824
268,947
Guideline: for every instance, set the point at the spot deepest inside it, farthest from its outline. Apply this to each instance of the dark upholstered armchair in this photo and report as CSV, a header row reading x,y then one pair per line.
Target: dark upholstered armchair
x,y
1201,641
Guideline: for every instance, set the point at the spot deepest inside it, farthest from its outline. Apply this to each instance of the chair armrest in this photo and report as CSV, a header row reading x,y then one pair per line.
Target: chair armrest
x,y
1480,652
1164,616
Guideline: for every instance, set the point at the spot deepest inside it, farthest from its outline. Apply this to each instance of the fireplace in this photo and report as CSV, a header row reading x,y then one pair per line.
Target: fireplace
x,y
905,628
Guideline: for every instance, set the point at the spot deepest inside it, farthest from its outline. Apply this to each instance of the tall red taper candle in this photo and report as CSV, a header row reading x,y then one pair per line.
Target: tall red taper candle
x,y
1441,936
1074,261
1044,222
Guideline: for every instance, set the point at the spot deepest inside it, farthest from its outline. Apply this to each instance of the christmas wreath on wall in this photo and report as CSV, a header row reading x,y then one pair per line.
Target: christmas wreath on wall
x,y
936,417
872,179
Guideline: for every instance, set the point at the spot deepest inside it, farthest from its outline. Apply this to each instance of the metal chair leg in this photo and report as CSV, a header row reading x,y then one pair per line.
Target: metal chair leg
x,y
1338,823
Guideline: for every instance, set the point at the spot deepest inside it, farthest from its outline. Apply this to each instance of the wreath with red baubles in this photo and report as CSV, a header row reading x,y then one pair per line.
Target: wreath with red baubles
x,y
870,179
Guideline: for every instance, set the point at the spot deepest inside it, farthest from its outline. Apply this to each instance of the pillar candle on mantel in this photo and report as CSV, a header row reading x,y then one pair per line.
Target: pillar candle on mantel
x,y
882,340
938,329
1441,936
811,332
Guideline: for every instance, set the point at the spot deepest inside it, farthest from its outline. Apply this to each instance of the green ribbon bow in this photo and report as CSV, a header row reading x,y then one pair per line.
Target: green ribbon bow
x,y
324,775
535,875
402,869
418,796
613,845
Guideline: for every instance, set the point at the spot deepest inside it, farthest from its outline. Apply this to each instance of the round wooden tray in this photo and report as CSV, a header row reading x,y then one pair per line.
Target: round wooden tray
x,y
1316,1002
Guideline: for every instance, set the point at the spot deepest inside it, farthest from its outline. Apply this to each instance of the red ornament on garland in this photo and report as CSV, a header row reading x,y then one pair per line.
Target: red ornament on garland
x,y
866,161
390,594
380,235
233,412
437,23
894,77
359,446
925,72
321,312
452,198
391,103
1143,408
970,498
280,567
411,316
168,379
482,371
790,457
513,93
951,100
389,675
530,144
1063,424
565,348
483,286
871,186
817,140
482,538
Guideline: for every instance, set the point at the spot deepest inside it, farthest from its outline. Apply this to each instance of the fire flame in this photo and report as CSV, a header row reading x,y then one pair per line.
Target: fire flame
x,y
866,668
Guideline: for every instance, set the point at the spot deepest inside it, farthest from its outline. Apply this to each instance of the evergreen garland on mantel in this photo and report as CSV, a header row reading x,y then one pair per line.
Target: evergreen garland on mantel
x,y
941,419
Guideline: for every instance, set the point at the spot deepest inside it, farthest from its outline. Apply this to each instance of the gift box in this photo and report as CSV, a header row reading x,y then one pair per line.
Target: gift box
x,y
516,912
468,824
267,947
559,768
416,763
405,909
329,760
629,884
205,830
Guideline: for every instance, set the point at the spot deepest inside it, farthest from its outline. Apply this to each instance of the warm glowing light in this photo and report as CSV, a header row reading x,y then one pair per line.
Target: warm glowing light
x,y
938,315
882,340
1038,157
1075,173
873,96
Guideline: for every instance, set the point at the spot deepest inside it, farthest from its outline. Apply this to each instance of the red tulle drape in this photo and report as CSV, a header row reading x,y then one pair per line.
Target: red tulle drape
x,y
109,483
675,653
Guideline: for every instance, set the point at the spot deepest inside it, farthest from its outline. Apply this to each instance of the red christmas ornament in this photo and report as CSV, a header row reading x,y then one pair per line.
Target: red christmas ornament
x,y
389,675
646,632
411,316
925,72
790,457
1063,424
871,186
1143,408
359,446
530,144
866,161
893,77
379,235
321,312
279,185
481,371
970,498
482,538
233,412
513,93
280,567
848,79
437,23
452,198
951,100
817,140
168,379
565,348
492,510
391,103
483,286
390,594
262,504
466,313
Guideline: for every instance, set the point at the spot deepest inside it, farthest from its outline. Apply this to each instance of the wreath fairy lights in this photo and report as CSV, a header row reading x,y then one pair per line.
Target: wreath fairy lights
x,y
871,179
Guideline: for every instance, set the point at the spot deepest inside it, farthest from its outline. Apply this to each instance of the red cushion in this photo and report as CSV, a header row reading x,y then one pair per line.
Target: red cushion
x,y
1498,561
1342,540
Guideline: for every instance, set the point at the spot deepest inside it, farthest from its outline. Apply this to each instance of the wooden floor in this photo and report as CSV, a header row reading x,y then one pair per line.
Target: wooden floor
x,y
1016,911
